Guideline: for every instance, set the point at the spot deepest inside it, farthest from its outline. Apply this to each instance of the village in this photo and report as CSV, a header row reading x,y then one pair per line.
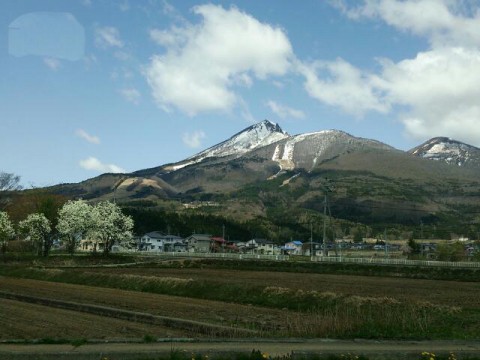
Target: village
x,y
157,242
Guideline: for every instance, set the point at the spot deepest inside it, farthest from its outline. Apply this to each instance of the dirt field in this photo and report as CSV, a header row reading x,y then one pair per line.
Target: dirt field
x,y
262,319
451,293
29,321
194,309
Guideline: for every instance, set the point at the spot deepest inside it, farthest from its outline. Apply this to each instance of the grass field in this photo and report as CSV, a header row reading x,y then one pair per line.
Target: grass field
x,y
272,303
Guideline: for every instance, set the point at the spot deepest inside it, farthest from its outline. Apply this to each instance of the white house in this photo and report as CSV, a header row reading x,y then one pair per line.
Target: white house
x,y
152,241
293,248
260,246
159,242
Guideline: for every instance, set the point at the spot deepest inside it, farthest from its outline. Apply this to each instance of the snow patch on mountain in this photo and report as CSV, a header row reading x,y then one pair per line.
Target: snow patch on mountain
x,y
447,150
253,137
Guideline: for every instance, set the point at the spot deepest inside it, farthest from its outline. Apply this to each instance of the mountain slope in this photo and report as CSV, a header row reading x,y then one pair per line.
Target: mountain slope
x,y
253,137
307,151
447,150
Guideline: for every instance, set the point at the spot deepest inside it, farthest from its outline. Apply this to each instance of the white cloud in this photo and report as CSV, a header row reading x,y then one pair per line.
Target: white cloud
x,y
193,140
285,111
204,63
443,22
338,83
441,89
108,36
52,63
434,93
86,136
131,94
92,163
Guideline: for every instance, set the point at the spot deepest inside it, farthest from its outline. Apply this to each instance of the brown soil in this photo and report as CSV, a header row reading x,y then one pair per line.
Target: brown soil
x,y
266,320
193,309
26,321
450,293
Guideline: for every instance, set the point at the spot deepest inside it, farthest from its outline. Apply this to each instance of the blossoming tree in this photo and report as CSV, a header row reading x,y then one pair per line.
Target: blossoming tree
x,y
37,227
7,231
74,222
110,225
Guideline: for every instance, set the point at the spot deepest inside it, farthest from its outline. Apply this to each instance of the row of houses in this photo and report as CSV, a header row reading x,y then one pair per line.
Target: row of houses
x,y
156,241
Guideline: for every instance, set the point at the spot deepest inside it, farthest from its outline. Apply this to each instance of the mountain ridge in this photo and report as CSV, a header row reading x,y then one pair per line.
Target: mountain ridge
x,y
262,172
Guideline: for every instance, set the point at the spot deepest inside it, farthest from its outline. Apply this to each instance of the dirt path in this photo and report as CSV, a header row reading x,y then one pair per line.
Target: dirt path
x,y
373,349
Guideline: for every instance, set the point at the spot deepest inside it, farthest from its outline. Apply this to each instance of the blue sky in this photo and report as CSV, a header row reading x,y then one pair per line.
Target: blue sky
x,y
98,86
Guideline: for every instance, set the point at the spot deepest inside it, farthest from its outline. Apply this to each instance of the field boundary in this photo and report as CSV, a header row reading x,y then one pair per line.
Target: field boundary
x,y
134,316
321,259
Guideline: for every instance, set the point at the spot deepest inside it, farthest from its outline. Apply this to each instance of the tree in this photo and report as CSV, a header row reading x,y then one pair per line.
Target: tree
x,y
74,222
35,201
450,252
37,227
110,225
358,236
414,247
6,231
9,182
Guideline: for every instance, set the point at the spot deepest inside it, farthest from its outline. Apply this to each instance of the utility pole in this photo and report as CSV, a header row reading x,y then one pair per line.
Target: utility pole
x,y
324,252
223,237
326,189
311,240
385,242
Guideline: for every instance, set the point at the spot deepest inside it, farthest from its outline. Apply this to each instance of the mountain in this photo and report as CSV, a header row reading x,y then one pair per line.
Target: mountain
x,y
306,151
266,176
253,137
447,150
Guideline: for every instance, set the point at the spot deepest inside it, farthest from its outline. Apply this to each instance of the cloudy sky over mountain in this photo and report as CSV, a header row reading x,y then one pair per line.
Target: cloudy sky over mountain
x,y
93,86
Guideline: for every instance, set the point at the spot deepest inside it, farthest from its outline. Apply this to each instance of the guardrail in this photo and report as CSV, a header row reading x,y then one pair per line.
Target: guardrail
x,y
222,256
323,259
404,262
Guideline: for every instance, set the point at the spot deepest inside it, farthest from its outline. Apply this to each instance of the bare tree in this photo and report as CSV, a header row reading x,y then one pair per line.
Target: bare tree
x,y
9,182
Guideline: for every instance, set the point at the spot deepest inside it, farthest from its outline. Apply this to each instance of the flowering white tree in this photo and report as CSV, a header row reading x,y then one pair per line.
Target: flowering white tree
x,y
6,231
37,227
74,222
110,225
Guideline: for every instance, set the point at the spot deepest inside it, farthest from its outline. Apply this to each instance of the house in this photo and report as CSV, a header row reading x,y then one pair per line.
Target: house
x,y
151,241
180,247
312,248
169,242
292,248
218,244
250,246
159,242
264,247
199,243
91,245
241,246
233,246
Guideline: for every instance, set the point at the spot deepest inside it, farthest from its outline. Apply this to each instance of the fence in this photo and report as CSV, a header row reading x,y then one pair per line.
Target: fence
x,y
404,262
326,259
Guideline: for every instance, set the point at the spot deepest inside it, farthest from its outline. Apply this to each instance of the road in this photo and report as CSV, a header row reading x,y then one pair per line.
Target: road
x,y
116,351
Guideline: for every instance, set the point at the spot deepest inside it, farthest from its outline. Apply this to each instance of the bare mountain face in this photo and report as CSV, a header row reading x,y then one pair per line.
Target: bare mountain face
x,y
448,151
262,170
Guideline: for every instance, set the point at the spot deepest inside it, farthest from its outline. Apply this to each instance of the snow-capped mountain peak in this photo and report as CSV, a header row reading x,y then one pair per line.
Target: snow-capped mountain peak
x,y
255,136
309,149
447,150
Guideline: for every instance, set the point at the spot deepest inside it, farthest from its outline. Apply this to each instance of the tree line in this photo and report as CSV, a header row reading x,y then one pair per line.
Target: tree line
x,y
103,223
